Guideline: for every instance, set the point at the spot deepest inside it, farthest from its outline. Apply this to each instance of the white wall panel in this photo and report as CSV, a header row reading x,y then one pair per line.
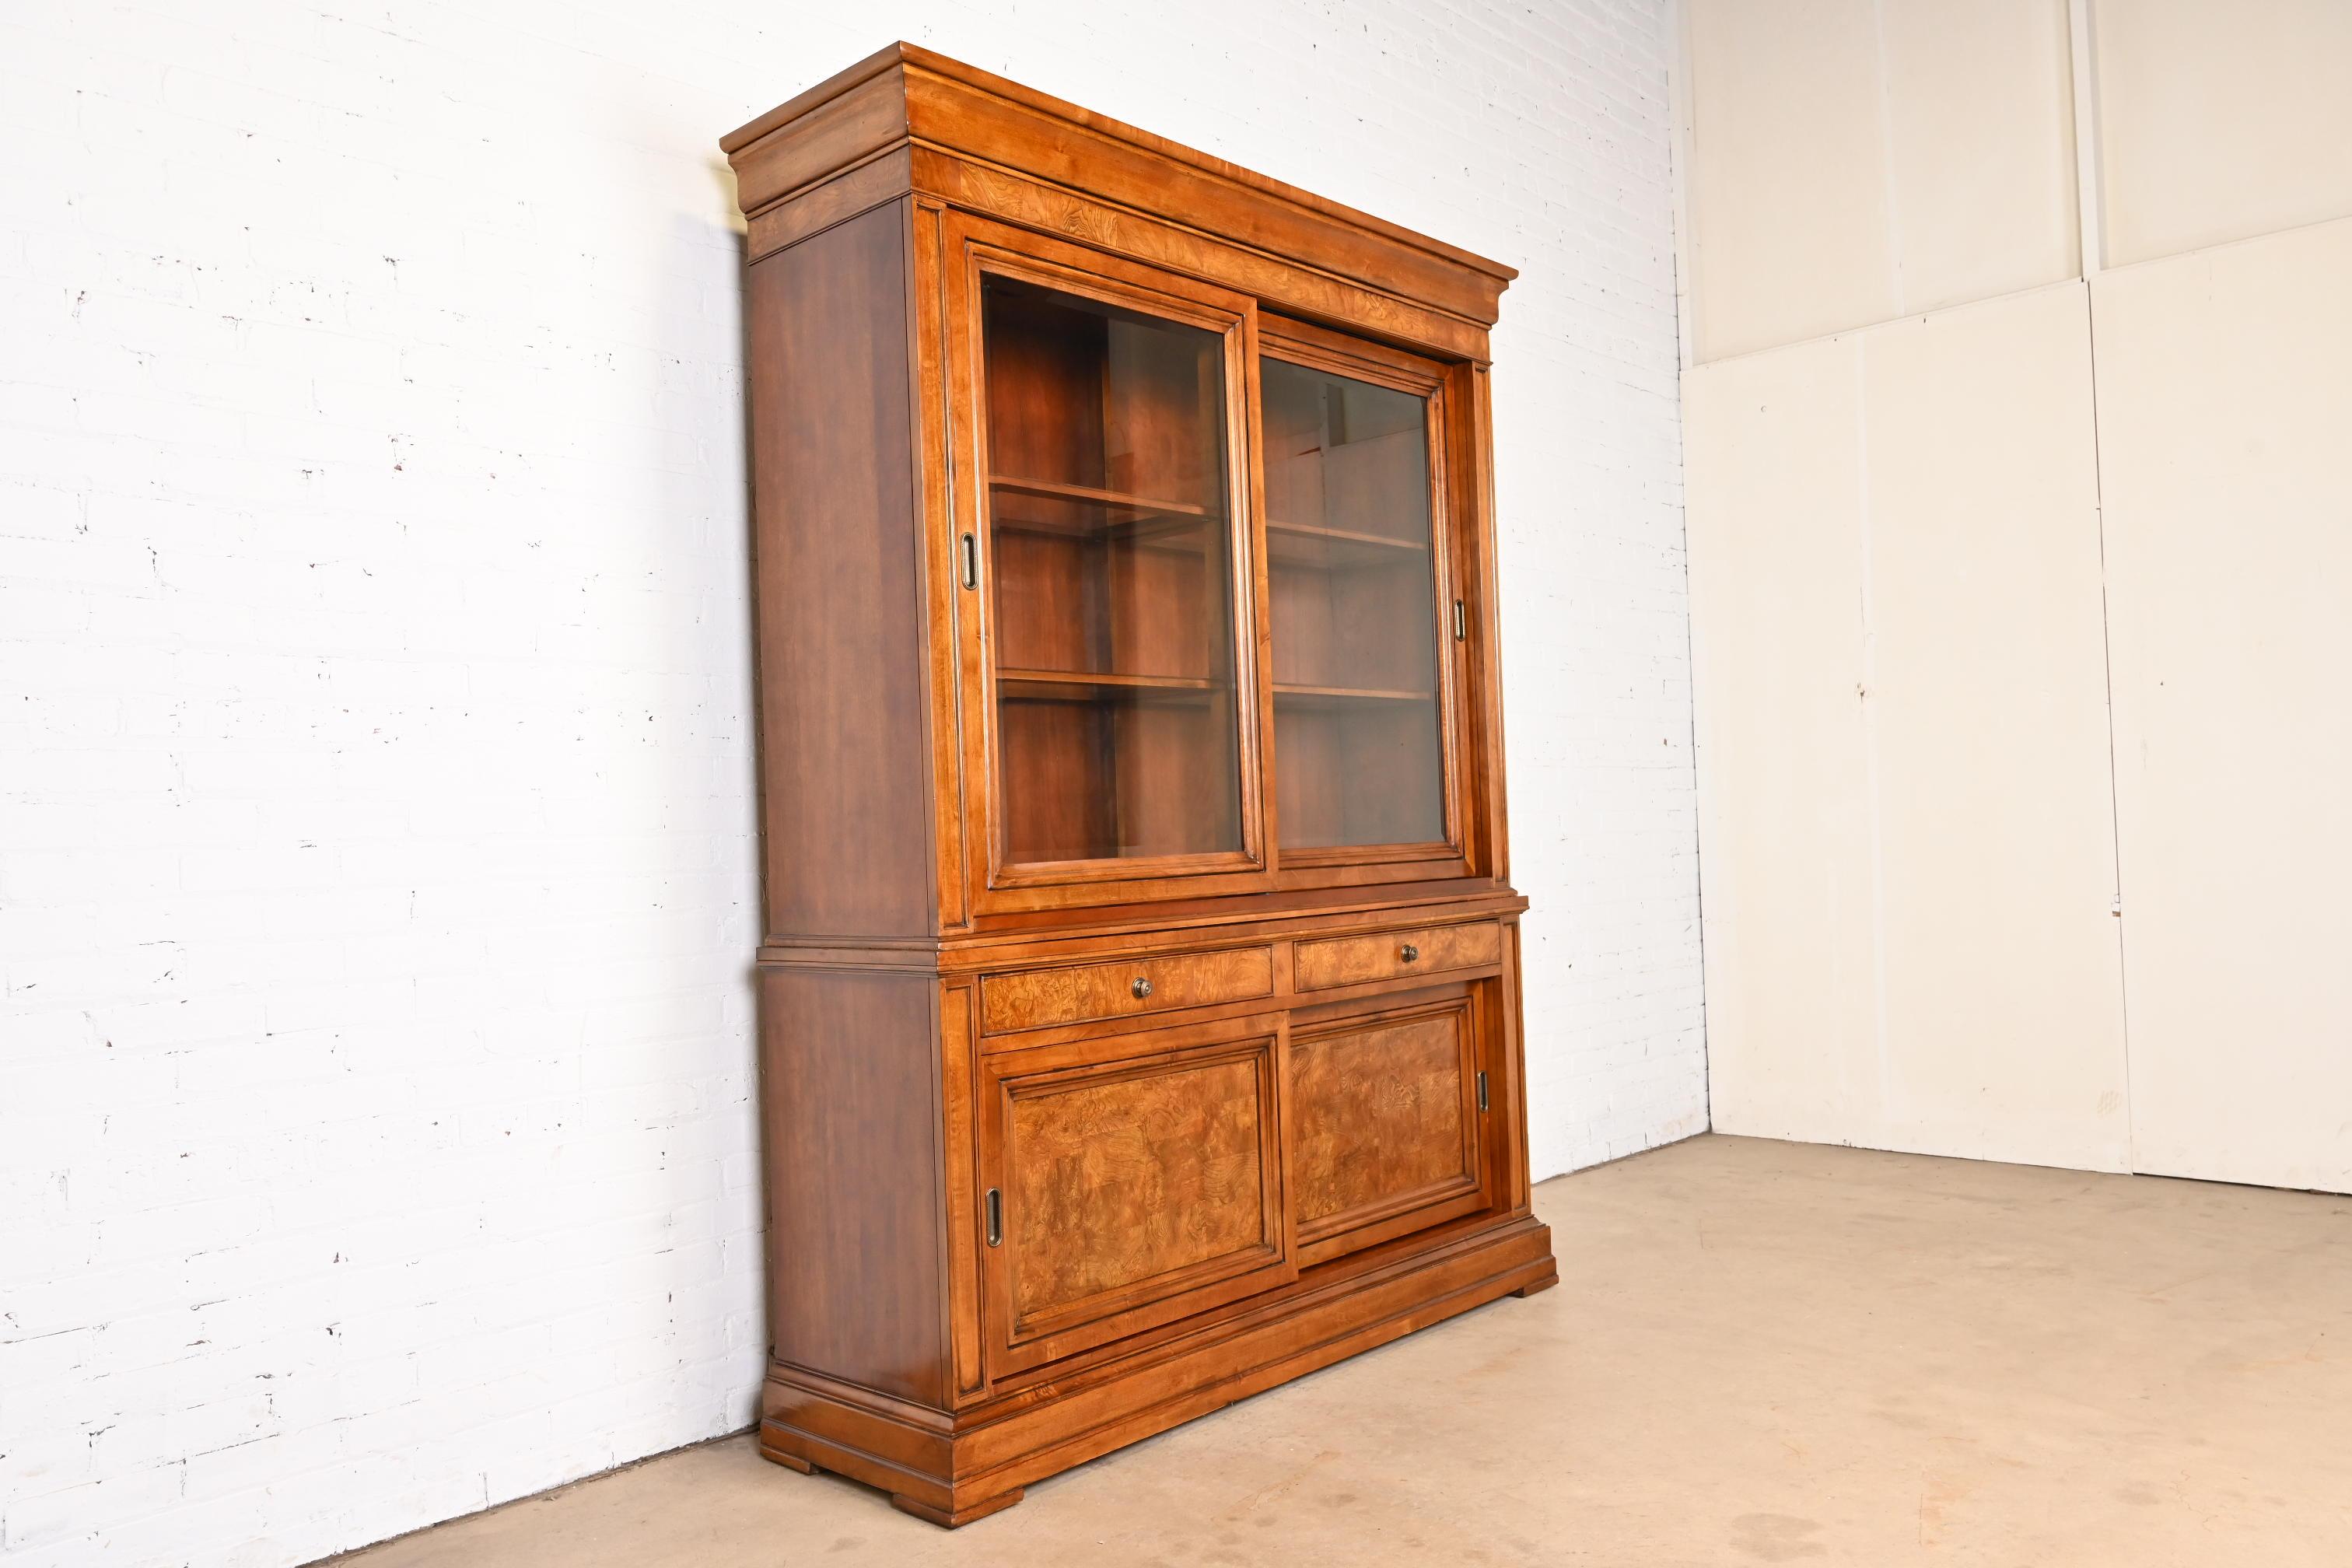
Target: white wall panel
x,y
1980,148
1852,161
1906,834
1772,446
1909,941
1787,183
2222,122
2224,404
2000,983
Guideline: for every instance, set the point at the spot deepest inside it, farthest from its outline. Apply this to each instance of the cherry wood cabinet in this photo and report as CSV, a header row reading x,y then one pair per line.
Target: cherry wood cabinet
x,y
1140,1020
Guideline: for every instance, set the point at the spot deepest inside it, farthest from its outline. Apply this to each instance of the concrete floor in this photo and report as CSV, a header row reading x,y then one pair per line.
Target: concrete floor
x,y
1759,1352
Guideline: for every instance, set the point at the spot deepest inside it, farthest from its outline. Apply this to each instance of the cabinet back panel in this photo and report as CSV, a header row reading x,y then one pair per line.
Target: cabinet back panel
x,y
1358,626
1391,775
847,790
1165,418
1380,485
1166,613
1050,604
1309,782
1176,789
1356,772
1044,389
1301,603
1291,416
1057,768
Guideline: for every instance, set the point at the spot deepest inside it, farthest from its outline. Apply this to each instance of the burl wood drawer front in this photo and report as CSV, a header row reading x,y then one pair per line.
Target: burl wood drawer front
x,y
1354,960
1385,1118
1040,998
1129,1190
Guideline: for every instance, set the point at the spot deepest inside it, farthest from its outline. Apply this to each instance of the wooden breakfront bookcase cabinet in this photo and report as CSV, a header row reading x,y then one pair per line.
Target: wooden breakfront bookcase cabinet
x,y
1139,1003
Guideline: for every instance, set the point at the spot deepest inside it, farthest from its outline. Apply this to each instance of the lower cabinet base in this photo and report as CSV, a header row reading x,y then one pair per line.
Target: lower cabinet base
x,y
951,1517
953,1468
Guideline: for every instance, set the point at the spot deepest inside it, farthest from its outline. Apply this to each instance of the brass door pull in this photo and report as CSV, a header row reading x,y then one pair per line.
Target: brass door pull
x,y
1409,952
1141,989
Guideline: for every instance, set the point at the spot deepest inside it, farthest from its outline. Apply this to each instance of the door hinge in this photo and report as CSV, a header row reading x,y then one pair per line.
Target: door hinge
x,y
970,547
2116,908
995,1216
1461,623
1482,1094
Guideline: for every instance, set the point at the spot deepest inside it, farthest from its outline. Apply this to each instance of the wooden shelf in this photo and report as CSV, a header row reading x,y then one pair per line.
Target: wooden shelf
x,y
1087,492
1348,693
1085,686
1311,545
1115,508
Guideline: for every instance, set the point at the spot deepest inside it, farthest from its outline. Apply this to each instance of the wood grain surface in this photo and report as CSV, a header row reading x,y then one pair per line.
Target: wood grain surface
x,y
845,812
1034,998
1113,1184
1349,960
1379,1115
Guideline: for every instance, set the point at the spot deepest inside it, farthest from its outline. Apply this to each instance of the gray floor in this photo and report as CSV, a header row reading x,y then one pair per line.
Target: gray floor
x,y
1759,1352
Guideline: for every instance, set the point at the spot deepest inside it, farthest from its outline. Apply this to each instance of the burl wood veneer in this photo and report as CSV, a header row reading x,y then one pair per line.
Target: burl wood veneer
x,y
1139,1001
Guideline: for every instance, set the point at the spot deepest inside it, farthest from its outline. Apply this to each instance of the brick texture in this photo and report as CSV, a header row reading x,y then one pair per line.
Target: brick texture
x,y
376,842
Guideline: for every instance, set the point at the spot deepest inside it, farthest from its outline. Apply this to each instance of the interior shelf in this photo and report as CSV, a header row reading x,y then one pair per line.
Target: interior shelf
x,y
1082,686
1085,685
1083,509
1139,504
1346,693
1311,544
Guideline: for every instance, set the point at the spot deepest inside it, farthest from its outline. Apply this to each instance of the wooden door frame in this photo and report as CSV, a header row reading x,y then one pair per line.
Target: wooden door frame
x,y
974,248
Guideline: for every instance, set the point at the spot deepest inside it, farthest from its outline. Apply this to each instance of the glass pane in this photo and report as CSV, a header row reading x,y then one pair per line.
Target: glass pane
x,y
1112,554
1354,614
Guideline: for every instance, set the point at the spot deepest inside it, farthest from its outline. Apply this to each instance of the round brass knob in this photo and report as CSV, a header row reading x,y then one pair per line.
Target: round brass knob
x,y
1141,988
1409,952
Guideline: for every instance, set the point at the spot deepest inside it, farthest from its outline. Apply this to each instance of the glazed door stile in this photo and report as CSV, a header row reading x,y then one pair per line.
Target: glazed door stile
x,y
1107,615
958,1106
1478,574
934,470
1130,1181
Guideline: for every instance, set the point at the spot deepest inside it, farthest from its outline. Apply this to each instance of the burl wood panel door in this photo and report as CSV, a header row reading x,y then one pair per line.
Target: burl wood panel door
x,y
1387,1131
1134,1180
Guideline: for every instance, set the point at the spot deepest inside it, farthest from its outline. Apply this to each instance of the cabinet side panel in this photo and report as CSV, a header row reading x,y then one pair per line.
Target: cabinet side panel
x,y
844,749
850,1117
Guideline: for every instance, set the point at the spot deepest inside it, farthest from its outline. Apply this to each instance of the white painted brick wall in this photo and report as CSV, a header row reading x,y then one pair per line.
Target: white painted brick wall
x,y
376,867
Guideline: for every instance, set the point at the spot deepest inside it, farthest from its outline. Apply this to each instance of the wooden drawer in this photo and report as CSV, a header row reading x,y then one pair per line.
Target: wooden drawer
x,y
1354,960
1040,998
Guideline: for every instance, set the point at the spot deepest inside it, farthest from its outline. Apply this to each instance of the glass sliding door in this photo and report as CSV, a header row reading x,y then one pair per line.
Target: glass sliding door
x,y
1112,552
1353,578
